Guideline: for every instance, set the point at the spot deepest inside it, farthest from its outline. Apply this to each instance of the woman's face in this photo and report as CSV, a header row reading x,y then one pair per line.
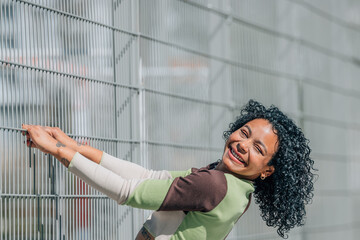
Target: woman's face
x,y
249,149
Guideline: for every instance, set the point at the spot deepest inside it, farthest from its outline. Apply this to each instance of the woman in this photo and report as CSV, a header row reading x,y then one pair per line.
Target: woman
x,y
265,154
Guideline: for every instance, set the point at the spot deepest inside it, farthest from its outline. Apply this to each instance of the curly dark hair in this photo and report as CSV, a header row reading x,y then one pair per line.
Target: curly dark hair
x,y
283,195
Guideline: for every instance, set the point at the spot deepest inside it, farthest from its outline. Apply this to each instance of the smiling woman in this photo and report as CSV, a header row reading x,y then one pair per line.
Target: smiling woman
x,y
265,153
249,149
285,172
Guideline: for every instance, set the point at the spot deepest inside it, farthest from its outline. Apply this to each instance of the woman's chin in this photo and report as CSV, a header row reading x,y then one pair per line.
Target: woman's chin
x,y
233,166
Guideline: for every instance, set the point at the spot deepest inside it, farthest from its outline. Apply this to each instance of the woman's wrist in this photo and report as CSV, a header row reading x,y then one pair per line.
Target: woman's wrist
x,y
61,137
91,153
79,147
65,155
74,145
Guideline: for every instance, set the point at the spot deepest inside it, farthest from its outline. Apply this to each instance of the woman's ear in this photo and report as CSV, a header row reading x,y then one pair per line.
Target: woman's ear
x,y
270,170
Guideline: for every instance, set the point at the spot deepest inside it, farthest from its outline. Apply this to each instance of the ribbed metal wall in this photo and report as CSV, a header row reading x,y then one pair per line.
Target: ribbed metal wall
x,y
156,82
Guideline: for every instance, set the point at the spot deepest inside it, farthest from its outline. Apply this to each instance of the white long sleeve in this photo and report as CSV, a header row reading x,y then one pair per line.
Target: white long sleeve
x,y
102,179
129,170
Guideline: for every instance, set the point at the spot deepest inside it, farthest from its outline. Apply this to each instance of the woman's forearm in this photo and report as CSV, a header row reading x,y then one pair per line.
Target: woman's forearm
x,y
123,168
89,152
102,179
129,170
65,155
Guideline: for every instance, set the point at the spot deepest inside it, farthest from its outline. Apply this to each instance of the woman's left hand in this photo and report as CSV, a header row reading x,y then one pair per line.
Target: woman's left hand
x,y
38,137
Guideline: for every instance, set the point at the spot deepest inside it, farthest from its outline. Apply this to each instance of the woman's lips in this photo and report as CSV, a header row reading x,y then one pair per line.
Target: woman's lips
x,y
233,158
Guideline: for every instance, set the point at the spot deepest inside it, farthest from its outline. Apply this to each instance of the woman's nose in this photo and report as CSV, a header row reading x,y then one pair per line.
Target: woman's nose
x,y
241,147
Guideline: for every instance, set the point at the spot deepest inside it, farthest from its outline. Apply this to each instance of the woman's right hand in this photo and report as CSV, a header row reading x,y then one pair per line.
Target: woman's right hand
x,y
60,136
38,137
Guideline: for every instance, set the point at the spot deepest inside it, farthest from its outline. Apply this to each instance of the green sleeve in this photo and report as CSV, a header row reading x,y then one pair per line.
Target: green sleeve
x,y
150,193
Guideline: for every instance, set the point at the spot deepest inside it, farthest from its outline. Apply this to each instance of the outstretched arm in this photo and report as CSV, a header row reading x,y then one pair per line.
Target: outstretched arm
x,y
102,179
125,169
163,194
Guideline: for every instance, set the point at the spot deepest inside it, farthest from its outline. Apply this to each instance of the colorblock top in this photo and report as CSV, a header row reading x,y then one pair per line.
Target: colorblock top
x,y
195,204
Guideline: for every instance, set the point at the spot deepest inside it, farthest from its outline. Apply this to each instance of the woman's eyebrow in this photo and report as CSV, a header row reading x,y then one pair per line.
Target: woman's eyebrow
x,y
257,141
249,129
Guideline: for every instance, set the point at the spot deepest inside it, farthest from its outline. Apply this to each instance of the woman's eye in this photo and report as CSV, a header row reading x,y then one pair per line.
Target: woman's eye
x,y
244,133
259,150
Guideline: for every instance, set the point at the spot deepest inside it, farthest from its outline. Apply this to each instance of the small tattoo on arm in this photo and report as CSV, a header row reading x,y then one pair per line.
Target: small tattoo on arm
x,y
59,144
65,162
81,144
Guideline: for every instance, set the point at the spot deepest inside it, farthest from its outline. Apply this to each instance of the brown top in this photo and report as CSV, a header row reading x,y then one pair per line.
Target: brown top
x,y
202,190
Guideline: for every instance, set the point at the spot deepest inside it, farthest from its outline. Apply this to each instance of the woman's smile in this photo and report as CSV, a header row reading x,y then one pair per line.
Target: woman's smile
x,y
235,156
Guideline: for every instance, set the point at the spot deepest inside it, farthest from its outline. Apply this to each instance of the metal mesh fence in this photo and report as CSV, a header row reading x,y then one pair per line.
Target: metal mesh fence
x,y
156,82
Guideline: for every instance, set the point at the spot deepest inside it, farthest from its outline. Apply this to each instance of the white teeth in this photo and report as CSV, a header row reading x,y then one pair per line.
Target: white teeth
x,y
235,155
